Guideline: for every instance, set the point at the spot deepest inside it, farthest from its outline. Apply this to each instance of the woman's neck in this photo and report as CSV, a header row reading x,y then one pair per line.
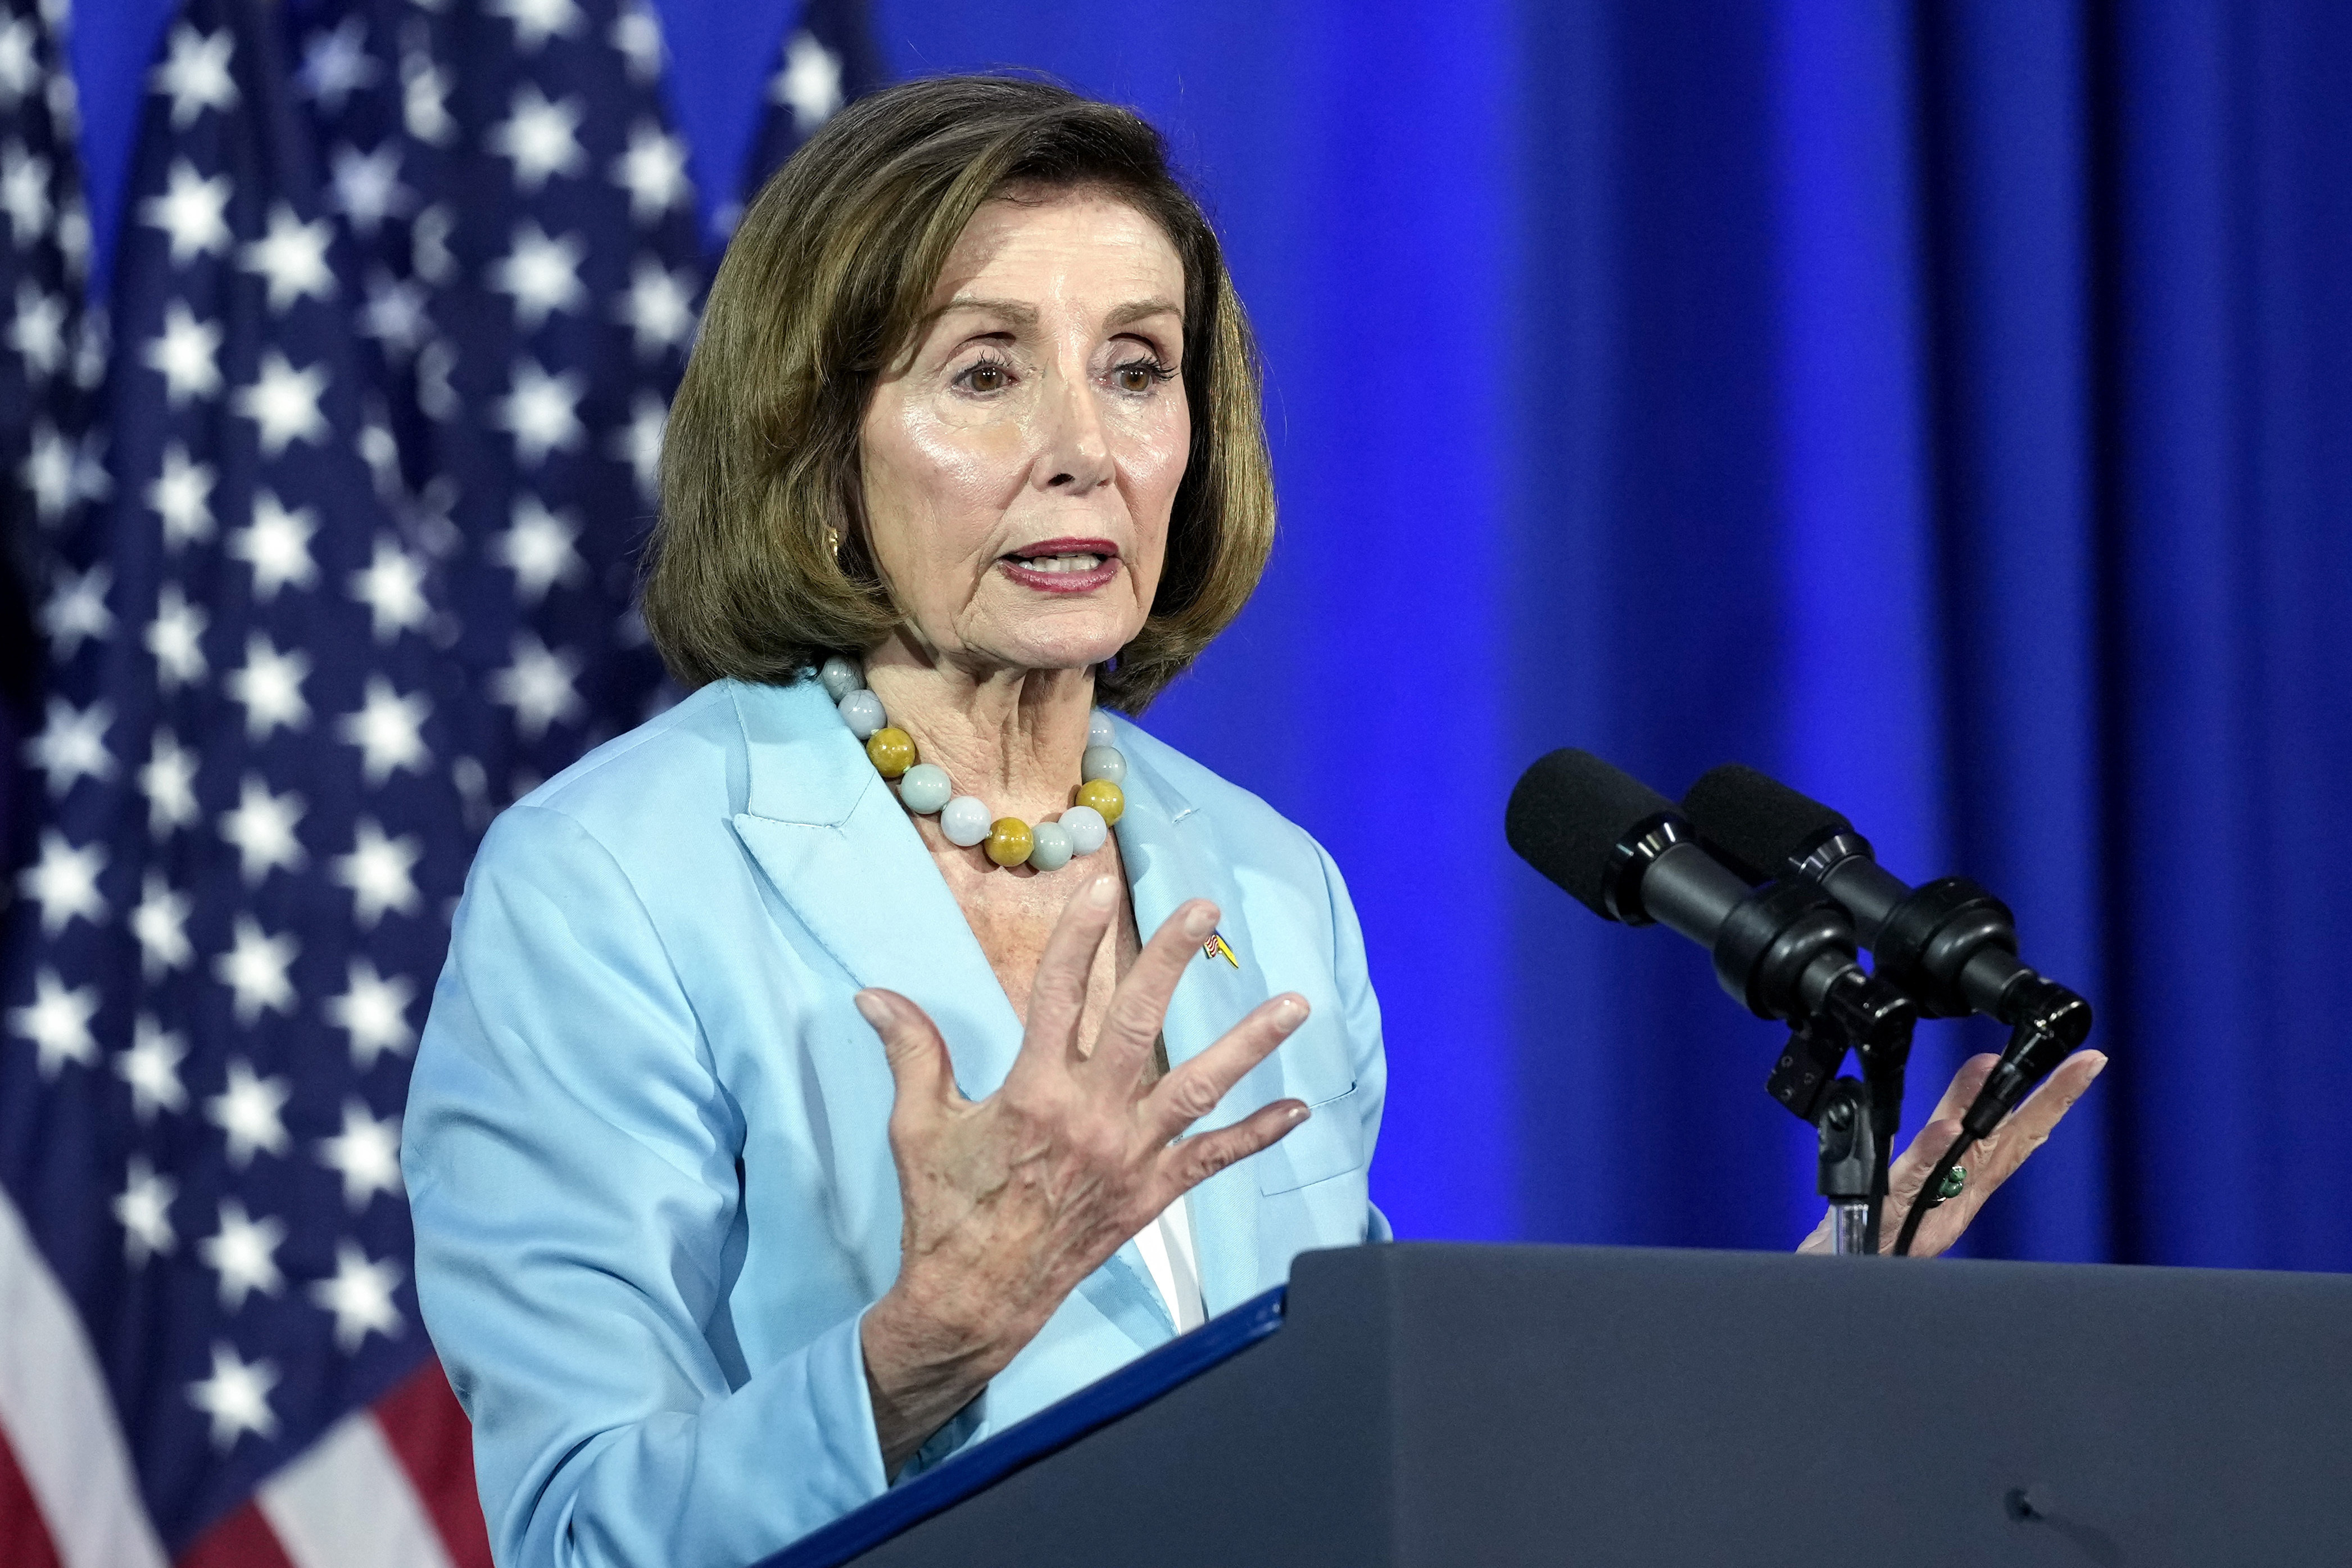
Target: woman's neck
x,y
1012,737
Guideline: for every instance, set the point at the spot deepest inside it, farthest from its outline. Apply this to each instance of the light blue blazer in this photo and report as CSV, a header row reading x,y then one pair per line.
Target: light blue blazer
x,y
645,1141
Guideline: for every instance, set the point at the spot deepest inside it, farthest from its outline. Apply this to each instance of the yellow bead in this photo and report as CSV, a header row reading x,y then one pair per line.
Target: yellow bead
x,y
893,751
1104,797
1010,841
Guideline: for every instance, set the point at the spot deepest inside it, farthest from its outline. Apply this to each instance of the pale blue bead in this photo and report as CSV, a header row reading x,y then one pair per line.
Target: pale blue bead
x,y
925,788
965,820
1049,849
840,677
1103,763
861,712
1085,827
1098,730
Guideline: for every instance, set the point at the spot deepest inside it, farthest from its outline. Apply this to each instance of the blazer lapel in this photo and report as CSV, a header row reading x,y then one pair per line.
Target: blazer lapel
x,y
1170,851
838,848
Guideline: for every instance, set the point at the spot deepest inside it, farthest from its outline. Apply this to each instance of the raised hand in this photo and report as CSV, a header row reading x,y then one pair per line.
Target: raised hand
x,y
1989,1161
1010,1200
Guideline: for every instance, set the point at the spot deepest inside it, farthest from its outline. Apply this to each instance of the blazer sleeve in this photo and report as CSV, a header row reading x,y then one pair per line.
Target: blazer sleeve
x,y
571,1159
1361,1010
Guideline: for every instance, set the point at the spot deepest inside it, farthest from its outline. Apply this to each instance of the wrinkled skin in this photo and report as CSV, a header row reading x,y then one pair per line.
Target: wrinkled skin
x,y
1042,403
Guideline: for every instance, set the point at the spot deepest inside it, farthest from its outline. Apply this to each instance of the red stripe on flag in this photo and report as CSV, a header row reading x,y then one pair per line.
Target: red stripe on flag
x,y
23,1534
243,1540
428,1431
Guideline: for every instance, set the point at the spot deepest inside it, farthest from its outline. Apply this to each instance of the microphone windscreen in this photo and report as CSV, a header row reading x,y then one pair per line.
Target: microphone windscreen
x,y
1568,811
1754,824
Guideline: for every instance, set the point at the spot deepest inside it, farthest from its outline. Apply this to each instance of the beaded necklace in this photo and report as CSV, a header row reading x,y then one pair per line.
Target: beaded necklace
x,y
925,788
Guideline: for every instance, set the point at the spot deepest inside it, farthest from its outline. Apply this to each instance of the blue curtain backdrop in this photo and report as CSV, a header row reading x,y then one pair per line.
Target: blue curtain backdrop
x,y
1945,407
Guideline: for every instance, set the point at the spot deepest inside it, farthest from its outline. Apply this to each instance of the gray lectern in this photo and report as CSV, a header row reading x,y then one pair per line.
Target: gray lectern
x,y
1432,1405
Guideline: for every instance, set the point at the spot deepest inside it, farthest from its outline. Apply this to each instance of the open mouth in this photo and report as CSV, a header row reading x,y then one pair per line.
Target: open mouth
x,y
1063,566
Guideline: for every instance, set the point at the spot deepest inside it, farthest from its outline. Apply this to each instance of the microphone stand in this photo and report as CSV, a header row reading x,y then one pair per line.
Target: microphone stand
x,y
1854,1119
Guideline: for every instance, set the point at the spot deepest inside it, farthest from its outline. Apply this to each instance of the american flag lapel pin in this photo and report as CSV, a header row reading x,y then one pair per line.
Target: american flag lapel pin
x,y
1217,947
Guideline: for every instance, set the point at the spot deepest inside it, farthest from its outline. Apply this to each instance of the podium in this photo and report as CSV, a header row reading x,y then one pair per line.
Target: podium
x,y
1420,1404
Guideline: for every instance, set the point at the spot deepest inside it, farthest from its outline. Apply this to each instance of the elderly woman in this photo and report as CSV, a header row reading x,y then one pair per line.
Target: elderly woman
x,y
968,457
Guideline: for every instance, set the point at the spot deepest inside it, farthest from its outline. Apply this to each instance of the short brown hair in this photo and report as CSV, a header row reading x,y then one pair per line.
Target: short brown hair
x,y
826,283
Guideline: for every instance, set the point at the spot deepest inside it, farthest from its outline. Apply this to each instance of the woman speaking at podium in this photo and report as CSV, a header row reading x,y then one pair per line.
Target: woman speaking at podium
x,y
881,1044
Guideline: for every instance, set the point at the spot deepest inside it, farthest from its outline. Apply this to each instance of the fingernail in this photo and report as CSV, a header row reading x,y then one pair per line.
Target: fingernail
x,y
871,1007
1201,920
1288,1014
1104,893
1299,1115
2096,1072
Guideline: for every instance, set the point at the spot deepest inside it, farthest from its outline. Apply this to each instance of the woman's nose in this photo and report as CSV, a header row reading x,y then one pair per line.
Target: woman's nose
x,y
1076,456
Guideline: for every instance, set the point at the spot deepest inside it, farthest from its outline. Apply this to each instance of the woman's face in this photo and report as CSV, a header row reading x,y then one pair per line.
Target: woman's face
x,y
1021,462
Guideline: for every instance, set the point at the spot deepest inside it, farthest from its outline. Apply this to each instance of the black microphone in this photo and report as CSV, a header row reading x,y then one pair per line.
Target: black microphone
x,y
1951,945
1626,853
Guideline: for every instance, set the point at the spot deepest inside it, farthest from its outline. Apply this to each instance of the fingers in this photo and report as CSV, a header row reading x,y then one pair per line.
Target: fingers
x,y
1057,996
1186,1165
1992,1161
1141,1000
1193,1089
2030,1125
1909,1174
920,1065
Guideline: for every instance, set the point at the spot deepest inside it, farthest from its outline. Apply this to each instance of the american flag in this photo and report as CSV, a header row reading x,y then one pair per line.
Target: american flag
x,y
401,292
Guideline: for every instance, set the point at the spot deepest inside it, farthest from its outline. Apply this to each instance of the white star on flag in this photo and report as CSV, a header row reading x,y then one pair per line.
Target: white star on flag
x,y
653,171
394,314
237,1396
377,872
24,193
542,410
538,686
196,76
20,64
261,830
176,639
284,402
244,1253
336,65
152,1068
57,1023
276,545
192,211
186,356
639,37
253,968
536,21
365,1153
366,186
537,548
292,258
248,1109
388,730
374,1012
425,102
810,83
393,588
541,275
64,882
71,745
360,1296
160,922
270,688
169,783
38,332
638,443
658,308
77,608
182,496
143,1209
539,137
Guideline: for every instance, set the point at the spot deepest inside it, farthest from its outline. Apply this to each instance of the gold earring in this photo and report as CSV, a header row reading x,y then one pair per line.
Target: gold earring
x,y
832,543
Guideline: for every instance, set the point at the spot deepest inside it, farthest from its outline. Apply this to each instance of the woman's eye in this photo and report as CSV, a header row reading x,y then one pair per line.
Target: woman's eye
x,y
985,377
1139,375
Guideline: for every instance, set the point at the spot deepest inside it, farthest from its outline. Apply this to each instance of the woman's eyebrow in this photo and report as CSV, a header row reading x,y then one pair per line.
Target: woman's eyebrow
x,y
1137,310
1013,311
